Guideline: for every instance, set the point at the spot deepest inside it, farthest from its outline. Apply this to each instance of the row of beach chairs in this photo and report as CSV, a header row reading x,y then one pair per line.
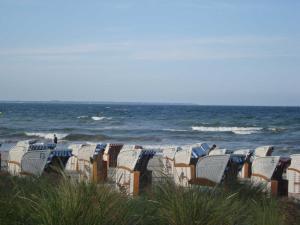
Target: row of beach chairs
x,y
132,168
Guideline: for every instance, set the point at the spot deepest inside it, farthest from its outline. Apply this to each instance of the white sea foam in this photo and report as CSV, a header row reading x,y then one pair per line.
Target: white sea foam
x,y
82,117
175,130
46,135
236,130
97,118
276,129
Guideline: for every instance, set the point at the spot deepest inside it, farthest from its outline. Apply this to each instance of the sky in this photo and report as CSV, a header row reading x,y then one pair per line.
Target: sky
x,y
210,52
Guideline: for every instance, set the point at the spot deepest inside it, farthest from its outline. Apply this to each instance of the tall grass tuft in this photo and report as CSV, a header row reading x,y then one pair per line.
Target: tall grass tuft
x,y
61,202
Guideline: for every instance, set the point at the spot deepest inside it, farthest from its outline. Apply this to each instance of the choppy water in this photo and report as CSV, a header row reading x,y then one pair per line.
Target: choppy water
x,y
228,127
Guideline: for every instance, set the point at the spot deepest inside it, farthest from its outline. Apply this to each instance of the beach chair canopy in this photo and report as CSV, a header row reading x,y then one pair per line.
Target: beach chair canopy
x,y
41,146
75,148
60,153
170,152
264,167
295,161
16,152
218,151
129,156
264,151
212,167
186,153
26,143
199,150
34,162
88,151
245,152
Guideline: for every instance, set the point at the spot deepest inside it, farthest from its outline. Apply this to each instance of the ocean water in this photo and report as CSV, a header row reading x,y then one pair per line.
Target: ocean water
x,y
227,126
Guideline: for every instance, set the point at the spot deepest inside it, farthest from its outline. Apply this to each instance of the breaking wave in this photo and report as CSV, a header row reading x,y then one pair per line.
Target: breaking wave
x,y
82,117
46,135
175,130
97,118
101,137
235,130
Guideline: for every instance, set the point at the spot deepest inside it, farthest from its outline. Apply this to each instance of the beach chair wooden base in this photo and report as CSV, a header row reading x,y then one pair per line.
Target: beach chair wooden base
x,y
279,187
203,182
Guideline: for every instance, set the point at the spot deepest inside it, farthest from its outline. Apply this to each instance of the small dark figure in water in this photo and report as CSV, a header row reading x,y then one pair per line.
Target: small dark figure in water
x,y
55,139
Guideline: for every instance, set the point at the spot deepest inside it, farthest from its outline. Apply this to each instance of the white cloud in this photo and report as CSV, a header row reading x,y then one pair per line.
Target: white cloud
x,y
208,48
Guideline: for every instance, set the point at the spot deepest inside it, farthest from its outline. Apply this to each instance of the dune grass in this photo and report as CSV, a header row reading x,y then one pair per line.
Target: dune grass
x,y
60,202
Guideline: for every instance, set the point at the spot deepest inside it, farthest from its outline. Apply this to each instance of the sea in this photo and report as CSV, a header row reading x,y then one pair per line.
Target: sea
x,y
229,127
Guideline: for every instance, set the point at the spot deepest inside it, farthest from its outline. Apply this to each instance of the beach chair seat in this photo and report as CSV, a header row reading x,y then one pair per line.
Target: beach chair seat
x,y
156,166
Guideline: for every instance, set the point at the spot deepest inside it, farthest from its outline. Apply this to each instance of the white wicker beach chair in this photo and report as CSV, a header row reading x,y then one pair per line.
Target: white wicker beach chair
x,y
293,176
168,160
263,168
34,162
182,168
210,169
110,156
127,179
15,156
90,163
185,162
72,164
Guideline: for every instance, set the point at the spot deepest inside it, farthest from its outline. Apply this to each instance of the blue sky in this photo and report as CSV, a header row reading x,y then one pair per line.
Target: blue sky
x,y
204,52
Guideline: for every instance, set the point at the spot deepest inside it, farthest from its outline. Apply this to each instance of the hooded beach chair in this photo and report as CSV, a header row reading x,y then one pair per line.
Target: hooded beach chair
x,y
168,158
132,175
91,166
210,170
268,171
44,159
110,156
72,164
185,161
293,176
15,155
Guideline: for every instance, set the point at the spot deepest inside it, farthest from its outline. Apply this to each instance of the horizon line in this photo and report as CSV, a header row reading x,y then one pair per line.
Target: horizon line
x,y
138,103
